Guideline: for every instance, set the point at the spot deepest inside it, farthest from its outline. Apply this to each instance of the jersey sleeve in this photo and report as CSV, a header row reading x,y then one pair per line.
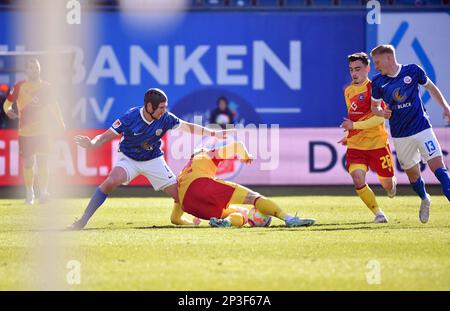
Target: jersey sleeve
x,y
376,90
7,105
14,93
173,121
422,76
347,100
120,125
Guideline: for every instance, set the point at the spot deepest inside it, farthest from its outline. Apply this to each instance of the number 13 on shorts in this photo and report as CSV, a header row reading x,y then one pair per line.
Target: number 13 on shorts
x,y
430,146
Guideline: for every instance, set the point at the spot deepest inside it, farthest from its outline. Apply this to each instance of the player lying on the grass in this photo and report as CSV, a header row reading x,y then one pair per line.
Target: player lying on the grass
x,y
367,139
140,147
398,86
206,197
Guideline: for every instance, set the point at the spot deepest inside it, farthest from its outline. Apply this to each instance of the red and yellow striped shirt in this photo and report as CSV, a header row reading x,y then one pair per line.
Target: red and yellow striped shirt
x,y
358,99
37,107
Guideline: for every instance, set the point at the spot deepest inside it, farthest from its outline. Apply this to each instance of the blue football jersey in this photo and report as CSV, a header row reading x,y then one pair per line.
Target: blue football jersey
x,y
401,93
141,139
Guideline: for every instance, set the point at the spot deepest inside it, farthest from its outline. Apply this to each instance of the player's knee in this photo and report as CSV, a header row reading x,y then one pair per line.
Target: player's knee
x,y
251,197
358,180
436,163
111,183
413,175
106,188
42,160
387,184
28,162
172,190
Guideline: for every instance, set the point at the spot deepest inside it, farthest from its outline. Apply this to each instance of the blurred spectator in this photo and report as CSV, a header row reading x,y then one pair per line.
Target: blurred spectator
x,y
221,115
32,101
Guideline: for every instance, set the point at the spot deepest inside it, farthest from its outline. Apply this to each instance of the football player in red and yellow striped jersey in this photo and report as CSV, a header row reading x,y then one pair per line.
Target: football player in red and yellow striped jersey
x,y
367,138
37,110
207,197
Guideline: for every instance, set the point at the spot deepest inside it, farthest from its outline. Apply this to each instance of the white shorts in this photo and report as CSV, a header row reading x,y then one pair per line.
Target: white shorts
x,y
155,170
410,149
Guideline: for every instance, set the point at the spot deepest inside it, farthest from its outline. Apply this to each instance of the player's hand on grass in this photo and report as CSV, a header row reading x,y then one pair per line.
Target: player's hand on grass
x,y
347,124
83,141
196,221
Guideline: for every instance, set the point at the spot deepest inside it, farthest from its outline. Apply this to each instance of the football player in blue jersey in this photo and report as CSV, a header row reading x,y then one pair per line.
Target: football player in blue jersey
x,y
142,129
413,137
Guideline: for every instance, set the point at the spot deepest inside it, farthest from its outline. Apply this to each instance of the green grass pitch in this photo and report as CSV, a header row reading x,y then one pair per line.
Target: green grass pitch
x,y
130,244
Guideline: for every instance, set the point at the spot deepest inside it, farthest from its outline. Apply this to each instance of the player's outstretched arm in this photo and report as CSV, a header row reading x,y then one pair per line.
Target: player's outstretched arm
x,y
177,218
236,148
201,130
436,94
97,141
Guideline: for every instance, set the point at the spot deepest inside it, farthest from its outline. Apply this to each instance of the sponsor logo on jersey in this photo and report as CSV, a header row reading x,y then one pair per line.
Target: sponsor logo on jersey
x,y
397,97
146,146
116,124
354,106
405,105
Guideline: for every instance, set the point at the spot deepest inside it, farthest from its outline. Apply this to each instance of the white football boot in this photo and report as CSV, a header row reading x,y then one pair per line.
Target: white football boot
x,y
380,218
424,211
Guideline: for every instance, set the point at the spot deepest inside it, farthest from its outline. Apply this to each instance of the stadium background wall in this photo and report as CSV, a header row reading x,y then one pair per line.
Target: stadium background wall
x,y
272,74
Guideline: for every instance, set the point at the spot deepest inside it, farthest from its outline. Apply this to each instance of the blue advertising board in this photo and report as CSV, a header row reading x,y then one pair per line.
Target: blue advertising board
x,y
286,68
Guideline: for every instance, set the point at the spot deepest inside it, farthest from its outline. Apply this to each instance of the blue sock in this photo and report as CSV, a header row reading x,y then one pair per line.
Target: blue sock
x,y
419,188
96,201
443,177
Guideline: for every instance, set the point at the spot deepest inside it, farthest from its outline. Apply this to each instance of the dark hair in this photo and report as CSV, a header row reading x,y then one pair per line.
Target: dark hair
x,y
155,97
383,49
222,98
363,57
